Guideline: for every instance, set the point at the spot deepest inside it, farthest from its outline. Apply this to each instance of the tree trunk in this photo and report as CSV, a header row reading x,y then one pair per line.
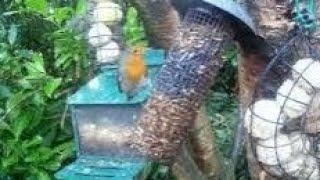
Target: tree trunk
x,y
185,167
180,88
203,147
161,22
271,18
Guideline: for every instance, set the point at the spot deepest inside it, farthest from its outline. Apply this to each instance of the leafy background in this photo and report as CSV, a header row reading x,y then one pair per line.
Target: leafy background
x,y
43,61
41,64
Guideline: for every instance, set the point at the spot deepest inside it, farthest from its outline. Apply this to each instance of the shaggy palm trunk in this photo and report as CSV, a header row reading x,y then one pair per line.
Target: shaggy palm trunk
x,y
273,24
203,143
161,21
181,87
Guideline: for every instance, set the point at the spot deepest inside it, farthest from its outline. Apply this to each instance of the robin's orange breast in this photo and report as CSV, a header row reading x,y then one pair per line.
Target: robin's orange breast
x,y
135,69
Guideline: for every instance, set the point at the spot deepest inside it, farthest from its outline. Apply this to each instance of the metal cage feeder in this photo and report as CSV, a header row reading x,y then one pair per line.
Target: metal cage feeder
x,y
283,121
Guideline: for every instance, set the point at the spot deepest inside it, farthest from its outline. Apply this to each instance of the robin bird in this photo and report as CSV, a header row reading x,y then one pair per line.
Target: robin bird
x,y
132,75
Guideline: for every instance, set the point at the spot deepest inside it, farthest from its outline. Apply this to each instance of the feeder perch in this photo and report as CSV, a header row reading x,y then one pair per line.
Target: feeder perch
x,y
102,120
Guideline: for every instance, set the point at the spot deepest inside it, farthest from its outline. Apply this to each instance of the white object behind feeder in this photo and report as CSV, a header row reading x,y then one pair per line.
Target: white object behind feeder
x,y
293,99
263,122
303,167
99,34
108,53
108,13
274,150
299,143
309,69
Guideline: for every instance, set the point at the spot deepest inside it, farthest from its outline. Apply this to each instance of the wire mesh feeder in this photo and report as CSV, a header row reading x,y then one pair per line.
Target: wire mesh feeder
x,y
283,120
104,20
182,84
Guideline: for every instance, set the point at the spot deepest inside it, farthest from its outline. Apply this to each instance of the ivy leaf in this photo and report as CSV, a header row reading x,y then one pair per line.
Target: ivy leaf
x,y
36,67
12,34
51,86
37,5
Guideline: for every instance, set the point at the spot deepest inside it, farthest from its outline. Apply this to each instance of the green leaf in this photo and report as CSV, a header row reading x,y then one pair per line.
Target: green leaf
x,y
51,86
13,34
81,7
4,126
36,68
39,174
52,165
65,150
134,33
17,99
4,92
21,123
9,161
35,141
37,5
62,14
39,155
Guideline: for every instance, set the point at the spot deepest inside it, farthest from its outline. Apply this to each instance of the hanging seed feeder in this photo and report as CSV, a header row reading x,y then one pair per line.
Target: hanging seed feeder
x,y
186,77
283,119
102,116
103,120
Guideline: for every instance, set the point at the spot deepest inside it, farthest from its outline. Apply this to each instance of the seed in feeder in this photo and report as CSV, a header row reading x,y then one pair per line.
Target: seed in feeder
x,y
108,53
293,99
308,69
107,12
263,118
99,34
87,136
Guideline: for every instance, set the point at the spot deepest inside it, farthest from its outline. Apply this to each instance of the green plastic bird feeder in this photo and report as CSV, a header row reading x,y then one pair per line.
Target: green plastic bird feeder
x,y
102,119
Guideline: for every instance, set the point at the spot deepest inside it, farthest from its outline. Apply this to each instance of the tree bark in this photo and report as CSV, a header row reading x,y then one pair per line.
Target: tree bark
x,y
203,147
273,24
161,22
181,87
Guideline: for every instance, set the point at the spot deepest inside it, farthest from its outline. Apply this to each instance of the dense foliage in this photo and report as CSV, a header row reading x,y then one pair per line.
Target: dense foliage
x,y
41,63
